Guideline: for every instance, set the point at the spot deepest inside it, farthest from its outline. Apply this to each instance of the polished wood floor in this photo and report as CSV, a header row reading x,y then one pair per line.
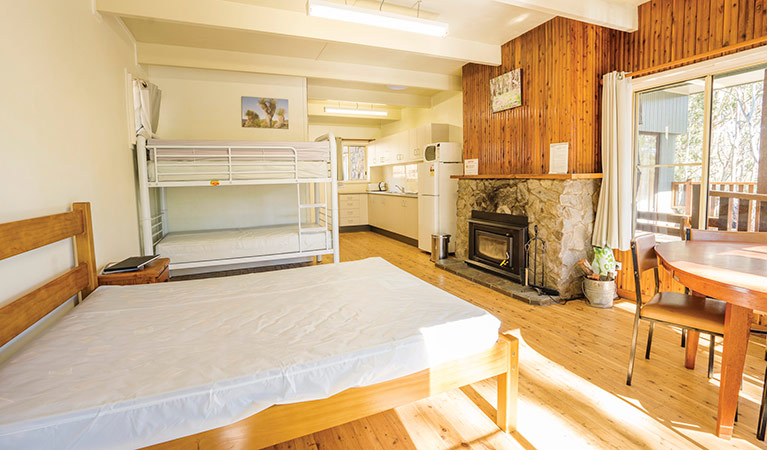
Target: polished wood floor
x,y
572,381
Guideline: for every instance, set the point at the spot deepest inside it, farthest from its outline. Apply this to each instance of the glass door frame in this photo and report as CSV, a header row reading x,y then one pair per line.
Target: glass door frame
x,y
706,70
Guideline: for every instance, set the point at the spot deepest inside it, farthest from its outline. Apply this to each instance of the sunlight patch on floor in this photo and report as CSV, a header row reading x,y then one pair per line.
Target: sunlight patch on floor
x,y
544,425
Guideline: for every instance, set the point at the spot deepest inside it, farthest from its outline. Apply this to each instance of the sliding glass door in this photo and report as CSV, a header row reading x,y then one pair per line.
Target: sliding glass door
x,y
698,152
734,166
669,157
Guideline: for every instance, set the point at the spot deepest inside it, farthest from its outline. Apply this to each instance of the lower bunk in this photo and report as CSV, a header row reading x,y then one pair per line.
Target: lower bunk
x,y
192,249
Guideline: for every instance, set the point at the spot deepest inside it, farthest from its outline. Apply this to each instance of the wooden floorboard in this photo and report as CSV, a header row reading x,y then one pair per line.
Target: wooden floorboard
x,y
572,387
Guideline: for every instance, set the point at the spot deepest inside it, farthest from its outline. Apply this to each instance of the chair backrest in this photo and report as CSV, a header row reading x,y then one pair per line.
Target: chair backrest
x,y
726,236
644,259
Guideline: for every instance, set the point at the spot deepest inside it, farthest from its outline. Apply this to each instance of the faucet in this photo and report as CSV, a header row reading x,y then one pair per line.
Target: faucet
x,y
401,189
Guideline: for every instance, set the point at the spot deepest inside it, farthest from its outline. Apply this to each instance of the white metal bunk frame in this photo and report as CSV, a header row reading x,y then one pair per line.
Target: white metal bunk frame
x,y
154,228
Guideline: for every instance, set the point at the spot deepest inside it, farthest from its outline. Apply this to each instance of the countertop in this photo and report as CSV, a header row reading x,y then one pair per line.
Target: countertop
x,y
397,194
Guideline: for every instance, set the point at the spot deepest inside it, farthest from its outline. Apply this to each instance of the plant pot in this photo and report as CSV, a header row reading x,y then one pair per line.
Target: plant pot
x,y
600,294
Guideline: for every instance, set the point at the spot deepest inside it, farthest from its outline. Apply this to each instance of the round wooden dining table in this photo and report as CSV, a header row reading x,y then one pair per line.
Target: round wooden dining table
x,y
735,272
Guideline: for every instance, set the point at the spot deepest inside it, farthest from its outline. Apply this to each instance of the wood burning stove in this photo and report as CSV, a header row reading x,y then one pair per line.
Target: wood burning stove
x,y
497,243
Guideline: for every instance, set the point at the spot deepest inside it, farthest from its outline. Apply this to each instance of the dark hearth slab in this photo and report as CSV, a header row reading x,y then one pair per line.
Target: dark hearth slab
x,y
496,283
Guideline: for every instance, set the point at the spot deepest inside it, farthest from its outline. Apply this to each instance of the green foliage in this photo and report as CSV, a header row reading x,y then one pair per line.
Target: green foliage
x,y
604,262
735,130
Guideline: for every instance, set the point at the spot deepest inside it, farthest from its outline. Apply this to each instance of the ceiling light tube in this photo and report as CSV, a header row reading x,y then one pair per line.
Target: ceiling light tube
x,y
335,11
356,112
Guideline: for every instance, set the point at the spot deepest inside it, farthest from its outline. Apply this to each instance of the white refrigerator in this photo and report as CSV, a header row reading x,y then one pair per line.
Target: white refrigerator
x,y
437,195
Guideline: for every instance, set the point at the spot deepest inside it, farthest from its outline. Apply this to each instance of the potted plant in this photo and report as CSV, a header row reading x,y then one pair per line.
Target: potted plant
x,y
599,283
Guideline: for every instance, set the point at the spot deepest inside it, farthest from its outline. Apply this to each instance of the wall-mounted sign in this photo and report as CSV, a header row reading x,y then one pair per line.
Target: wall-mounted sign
x,y
559,155
506,90
471,166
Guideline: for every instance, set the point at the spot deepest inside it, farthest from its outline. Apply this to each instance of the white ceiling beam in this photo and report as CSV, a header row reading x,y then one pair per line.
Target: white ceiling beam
x,y
242,16
611,14
202,58
367,96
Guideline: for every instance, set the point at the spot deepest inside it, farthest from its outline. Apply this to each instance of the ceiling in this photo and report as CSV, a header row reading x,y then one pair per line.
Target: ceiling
x,y
345,61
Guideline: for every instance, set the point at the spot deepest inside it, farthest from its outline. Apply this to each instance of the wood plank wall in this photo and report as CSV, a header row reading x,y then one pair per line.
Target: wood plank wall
x,y
562,64
670,30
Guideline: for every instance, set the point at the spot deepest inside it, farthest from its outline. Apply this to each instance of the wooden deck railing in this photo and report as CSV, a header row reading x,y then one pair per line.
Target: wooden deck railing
x,y
733,206
739,211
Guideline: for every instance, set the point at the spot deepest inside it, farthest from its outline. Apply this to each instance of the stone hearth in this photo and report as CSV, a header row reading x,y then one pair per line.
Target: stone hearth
x,y
564,211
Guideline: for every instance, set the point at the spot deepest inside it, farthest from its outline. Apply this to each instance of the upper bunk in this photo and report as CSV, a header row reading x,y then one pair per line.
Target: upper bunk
x,y
175,163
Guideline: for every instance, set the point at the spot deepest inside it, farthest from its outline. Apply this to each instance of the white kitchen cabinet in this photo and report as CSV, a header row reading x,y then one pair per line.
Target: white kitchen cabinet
x,y
398,214
376,210
407,146
353,209
410,217
371,154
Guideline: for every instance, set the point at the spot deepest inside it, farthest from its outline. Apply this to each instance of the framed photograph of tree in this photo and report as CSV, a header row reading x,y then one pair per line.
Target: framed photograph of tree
x,y
265,112
506,90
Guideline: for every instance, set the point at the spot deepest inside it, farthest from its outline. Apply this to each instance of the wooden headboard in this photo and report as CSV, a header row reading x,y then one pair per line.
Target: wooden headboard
x,y
25,235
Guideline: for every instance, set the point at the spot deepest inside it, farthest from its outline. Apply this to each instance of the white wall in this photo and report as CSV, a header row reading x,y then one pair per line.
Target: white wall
x,y
344,131
206,104
64,121
446,107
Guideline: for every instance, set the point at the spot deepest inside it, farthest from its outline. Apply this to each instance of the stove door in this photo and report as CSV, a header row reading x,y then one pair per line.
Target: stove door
x,y
492,248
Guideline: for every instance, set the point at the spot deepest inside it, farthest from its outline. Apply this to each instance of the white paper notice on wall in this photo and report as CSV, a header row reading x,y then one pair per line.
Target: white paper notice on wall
x,y
471,166
559,154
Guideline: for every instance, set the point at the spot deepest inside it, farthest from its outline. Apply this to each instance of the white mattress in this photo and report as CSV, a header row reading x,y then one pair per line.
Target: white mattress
x,y
180,160
305,150
218,170
137,365
192,246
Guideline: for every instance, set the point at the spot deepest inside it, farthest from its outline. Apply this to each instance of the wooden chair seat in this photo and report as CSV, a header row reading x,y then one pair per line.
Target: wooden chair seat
x,y
704,314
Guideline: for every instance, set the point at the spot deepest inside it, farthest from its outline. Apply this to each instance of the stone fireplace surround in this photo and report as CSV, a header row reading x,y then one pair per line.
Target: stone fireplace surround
x,y
563,209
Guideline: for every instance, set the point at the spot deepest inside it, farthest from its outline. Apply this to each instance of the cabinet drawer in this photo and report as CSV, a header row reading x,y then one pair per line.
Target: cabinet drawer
x,y
350,204
350,212
347,221
343,198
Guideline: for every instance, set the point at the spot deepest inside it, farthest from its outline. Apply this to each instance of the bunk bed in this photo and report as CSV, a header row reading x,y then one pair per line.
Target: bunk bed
x,y
309,166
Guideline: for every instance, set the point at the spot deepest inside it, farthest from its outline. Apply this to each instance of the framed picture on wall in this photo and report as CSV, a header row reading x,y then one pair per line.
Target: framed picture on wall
x,y
265,112
506,90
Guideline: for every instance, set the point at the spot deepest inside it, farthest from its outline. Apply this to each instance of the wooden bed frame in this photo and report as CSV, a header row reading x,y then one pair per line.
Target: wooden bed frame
x,y
278,423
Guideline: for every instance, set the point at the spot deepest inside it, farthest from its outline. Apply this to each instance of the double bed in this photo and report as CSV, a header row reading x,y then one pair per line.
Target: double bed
x,y
248,361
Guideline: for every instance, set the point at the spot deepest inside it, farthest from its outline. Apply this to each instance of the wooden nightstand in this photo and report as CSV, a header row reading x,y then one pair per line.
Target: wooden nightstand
x,y
154,272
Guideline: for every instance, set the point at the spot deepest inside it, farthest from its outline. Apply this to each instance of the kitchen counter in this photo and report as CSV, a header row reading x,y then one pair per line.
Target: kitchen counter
x,y
396,194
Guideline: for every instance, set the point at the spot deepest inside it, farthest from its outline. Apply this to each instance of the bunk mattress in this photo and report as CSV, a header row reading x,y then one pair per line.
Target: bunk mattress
x,y
180,160
137,365
194,246
218,170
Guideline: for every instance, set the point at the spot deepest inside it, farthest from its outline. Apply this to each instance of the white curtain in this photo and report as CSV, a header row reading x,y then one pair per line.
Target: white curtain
x,y
615,210
146,104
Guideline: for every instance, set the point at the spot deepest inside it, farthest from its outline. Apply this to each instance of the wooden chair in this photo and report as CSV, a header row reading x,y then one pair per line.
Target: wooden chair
x,y
687,311
756,327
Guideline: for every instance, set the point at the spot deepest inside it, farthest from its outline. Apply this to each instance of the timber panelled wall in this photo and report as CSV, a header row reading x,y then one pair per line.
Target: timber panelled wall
x,y
562,64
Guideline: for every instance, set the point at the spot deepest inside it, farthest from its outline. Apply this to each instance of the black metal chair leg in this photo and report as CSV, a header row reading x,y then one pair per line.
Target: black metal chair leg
x,y
684,338
649,340
762,424
711,351
633,351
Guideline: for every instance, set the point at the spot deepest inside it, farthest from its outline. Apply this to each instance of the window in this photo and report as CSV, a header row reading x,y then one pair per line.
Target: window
x,y
701,132
354,165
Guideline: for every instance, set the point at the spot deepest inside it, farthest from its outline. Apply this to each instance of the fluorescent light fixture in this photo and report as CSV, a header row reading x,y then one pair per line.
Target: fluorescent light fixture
x,y
336,11
356,112
395,87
